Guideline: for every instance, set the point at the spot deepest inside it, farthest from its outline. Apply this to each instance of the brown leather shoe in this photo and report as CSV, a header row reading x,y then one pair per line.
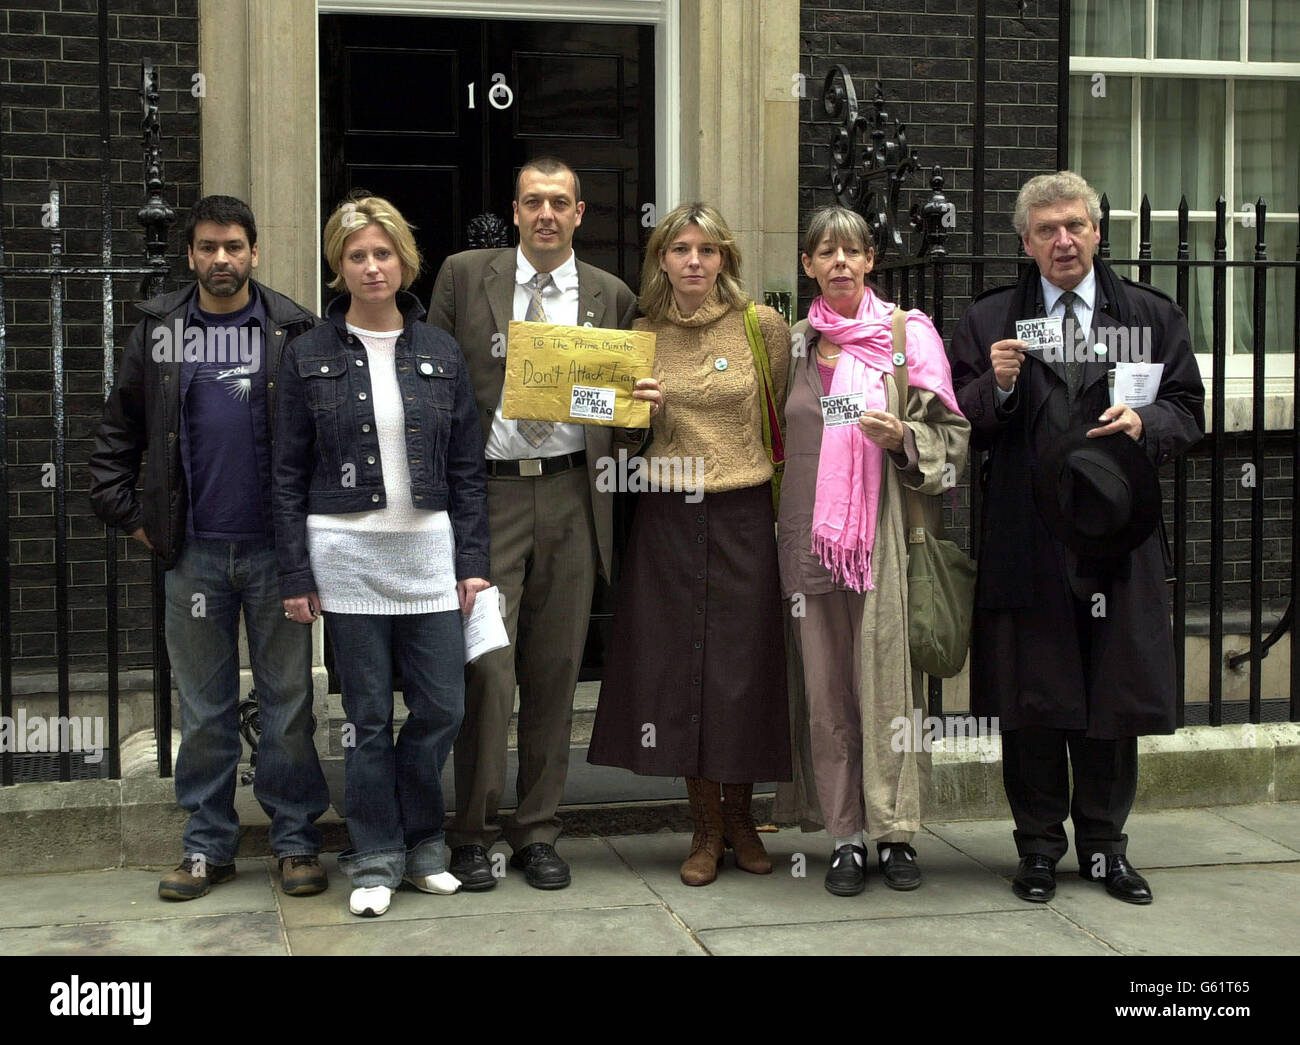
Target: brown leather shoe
x,y
302,876
193,878
701,867
738,829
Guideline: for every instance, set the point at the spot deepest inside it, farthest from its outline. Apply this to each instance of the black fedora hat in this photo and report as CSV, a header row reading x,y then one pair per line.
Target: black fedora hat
x,y
1100,497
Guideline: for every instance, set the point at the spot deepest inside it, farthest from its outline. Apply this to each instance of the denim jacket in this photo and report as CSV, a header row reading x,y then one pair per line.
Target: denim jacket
x,y
326,447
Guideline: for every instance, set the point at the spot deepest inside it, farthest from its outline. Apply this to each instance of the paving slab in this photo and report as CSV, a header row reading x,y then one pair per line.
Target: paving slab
x,y
1030,932
600,879
1233,909
1169,838
610,931
953,883
124,895
1279,822
227,934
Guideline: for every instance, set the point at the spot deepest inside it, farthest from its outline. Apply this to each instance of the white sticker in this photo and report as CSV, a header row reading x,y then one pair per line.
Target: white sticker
x,y
592,404
842,409
1043,335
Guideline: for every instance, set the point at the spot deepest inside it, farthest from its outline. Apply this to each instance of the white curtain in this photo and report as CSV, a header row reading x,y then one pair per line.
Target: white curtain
x,y
1274,31
1198,28
1266,155
1101,136
1111,28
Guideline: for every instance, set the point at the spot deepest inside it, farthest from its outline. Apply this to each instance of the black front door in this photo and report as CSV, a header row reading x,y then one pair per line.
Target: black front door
x,y
438,115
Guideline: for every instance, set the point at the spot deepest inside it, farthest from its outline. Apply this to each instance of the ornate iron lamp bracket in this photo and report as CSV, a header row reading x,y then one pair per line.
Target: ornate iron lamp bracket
x,y
867,176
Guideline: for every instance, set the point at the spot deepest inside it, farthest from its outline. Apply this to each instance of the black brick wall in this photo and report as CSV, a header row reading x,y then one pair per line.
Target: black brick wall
x,y
50,130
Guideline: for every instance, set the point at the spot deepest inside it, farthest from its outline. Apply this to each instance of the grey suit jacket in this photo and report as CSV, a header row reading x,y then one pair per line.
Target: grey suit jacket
x,y
473,300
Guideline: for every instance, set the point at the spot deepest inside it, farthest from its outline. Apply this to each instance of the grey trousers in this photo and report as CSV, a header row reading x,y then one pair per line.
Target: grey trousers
x,y
544,564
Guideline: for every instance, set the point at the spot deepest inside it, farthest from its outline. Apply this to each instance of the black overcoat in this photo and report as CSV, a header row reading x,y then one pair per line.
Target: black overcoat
x,y
1026,664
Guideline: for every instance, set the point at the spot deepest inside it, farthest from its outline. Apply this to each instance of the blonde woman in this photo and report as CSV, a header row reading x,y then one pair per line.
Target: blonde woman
x,y
695,676
381,523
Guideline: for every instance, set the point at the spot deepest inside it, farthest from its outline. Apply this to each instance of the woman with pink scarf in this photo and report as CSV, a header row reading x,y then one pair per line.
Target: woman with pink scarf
x,y
842,541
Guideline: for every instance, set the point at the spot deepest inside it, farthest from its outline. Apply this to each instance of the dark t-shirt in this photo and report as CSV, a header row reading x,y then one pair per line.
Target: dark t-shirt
x,y
223,411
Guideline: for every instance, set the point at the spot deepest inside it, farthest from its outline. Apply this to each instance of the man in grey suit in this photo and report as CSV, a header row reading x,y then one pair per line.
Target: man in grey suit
x,y
551,528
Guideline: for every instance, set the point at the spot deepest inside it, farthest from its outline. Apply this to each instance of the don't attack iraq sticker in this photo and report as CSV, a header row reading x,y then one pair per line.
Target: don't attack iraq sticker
x,y
592,404
842,409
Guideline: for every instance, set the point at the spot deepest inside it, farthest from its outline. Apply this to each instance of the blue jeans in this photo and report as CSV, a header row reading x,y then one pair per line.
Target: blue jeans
x,y
394,792
203,643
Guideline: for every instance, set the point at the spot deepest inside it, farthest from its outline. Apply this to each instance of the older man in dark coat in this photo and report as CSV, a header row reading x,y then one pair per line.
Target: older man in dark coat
x,y
1069,657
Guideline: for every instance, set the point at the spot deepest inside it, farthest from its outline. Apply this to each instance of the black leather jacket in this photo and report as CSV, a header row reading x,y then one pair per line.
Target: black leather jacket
x,y
327,457
143,412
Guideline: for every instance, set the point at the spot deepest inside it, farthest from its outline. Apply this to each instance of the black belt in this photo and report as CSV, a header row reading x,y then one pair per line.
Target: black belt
x,y
534,466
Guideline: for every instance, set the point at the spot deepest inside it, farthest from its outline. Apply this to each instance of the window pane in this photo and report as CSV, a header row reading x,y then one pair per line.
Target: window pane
x,y
1274,31
1112,28
1101,135
1182,142
1279,310
1198,29
1200,243
1268,143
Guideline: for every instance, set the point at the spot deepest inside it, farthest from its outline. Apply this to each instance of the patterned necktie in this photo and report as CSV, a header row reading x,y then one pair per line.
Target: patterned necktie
x,y
535,432
1073,366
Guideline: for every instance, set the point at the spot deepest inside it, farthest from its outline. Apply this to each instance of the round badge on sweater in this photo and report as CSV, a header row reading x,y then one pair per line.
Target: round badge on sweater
x,y
720,364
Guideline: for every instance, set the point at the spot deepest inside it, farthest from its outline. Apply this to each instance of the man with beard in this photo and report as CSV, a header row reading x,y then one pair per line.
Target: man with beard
x,y
196,389
1072,649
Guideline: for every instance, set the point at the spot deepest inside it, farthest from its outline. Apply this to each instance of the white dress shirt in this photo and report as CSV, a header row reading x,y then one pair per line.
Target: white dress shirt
x,y
560,302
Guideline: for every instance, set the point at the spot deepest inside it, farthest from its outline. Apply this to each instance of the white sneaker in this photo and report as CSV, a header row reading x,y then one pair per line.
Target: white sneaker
x,y
372,902
443,884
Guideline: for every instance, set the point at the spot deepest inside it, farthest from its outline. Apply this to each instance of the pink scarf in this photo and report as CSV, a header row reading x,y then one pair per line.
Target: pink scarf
x,y
849,470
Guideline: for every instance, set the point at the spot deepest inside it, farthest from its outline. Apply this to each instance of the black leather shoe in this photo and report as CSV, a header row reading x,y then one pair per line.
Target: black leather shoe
x,y
898,865
1122,881
471,865
1035,879
846,875
542,866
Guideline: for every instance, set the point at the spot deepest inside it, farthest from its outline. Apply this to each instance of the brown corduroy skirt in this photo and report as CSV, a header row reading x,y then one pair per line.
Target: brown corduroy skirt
x,y
695,673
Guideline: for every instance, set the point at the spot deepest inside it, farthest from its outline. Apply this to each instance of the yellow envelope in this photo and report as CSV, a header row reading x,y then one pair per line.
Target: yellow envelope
x,y
577,375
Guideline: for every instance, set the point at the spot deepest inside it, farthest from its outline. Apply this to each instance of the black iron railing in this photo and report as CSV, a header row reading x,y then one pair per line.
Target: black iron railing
x,y
155,216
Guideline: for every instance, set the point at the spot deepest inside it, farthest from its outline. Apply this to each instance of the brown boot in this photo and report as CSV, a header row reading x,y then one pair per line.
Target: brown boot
x,y
701,867
738,829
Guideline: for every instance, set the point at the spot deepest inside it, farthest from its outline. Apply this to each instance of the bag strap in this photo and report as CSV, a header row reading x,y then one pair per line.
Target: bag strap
x,y
915,508
758,346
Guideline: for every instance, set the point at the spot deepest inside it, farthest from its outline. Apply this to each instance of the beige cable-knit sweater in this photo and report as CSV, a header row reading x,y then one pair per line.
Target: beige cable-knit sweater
x,y
714,412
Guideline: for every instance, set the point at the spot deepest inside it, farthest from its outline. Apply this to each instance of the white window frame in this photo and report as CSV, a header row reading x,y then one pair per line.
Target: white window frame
x,y
1278,366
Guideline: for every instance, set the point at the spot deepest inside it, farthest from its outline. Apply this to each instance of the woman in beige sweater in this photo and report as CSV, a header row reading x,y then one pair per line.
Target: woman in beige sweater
x,y
695,675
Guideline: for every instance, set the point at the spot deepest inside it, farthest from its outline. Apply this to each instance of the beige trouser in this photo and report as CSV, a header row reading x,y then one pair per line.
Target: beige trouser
x,y
851,800
544,563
